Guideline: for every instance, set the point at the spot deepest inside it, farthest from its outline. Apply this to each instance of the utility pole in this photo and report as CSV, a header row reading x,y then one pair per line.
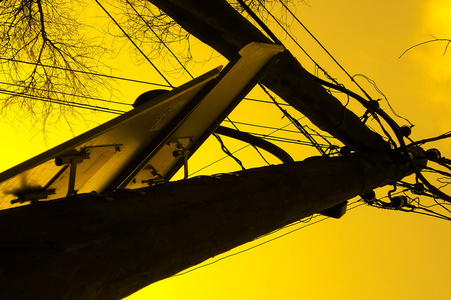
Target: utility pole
x,y
109,246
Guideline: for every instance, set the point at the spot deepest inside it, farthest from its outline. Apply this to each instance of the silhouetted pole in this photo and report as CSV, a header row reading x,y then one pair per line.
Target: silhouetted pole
x,y
89,247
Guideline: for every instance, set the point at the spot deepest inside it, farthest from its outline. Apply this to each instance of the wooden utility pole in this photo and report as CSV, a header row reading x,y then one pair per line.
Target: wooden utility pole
x,y
92,247
110,246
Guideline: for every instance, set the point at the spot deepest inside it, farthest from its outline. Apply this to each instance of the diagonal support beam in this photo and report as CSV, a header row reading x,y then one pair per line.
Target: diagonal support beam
x,y
217,24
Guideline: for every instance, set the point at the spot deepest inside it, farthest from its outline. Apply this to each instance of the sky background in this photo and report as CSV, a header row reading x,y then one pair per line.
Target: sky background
x,y
367,254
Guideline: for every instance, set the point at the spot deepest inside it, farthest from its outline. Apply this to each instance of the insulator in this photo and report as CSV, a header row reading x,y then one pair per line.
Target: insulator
x,y
433,154
398,201
418,188
369,196
405,130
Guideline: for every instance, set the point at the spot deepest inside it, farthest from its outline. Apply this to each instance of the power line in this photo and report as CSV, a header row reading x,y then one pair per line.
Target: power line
x,y
286,140
227,151
256,149
259,22
160,39
86,72
297,44
65,103
69,94
309,223
264,101
296,123
134,44
324,48
264,136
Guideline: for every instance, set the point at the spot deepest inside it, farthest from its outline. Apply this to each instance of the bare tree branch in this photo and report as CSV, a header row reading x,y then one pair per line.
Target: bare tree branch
x,y
47,34
448,41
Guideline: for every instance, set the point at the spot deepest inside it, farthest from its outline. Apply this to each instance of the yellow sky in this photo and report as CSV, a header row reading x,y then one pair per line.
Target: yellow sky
x,y
367,254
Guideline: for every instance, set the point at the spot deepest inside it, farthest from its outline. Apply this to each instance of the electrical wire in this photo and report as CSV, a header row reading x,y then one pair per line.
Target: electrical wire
x,y
324,48
264,101
250,143
373,83
317,65
65,103
134,44
86,72
227,151
70,94
223,147
160,39
295,123
306,224
259,22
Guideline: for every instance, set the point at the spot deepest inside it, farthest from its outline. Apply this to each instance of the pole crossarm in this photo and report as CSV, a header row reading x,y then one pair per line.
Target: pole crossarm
x,y
228,31
109,246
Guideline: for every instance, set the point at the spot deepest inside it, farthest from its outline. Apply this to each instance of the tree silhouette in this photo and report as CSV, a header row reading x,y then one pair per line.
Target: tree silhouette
x,y
45,58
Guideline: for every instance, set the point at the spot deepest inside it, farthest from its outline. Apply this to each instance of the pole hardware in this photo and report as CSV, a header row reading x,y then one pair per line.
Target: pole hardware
x,y
433,154
178,152
369,196
153,181
336,211
72,160
32,195
396,201
405,130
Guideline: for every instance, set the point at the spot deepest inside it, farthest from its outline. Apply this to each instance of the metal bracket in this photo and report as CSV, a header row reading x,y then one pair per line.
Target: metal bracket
x,y
32,195
72,160
180,151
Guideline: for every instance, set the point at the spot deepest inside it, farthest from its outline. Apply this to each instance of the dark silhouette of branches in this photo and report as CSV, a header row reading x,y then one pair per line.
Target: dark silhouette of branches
x,y
50,37
448,41
47,34
154,30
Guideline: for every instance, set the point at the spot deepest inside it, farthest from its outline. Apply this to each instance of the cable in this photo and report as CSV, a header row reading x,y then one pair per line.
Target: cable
x,y
367,104
296,123
268,241
396,129
383,95
66,103
85,72
297,44
265,101
264,136
256,142
281,129
134,44
324,48
248,141
159,38
259,22
440,137
183,66
227,151
287,140
70,94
